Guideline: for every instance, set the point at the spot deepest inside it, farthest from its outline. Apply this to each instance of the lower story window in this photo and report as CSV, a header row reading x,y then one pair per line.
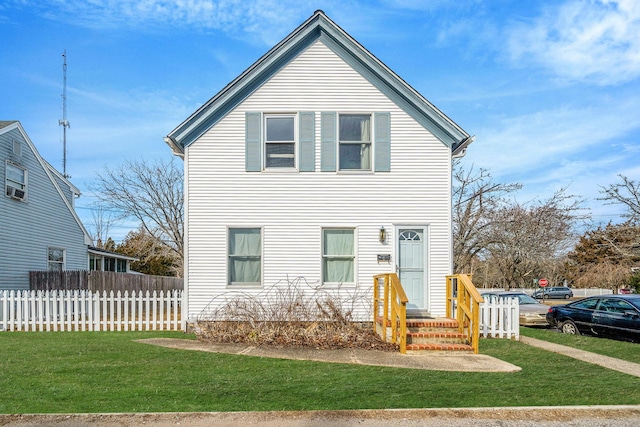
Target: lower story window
x,y
56,259
245,256
338,255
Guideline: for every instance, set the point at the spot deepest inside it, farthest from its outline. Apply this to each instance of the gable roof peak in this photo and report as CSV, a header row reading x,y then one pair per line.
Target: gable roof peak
x,y
318,27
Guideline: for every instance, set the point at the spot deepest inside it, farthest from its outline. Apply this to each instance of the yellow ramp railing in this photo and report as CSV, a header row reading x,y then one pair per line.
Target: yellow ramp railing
x,y
394,308
463,304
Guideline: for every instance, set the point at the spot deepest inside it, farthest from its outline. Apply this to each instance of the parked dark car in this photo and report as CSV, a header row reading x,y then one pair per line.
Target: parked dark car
x,y
532,313
553,292
613,316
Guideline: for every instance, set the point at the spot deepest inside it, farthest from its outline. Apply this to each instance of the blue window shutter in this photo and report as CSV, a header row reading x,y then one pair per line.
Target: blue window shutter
x,y
253,142
328,142
307,141
382,148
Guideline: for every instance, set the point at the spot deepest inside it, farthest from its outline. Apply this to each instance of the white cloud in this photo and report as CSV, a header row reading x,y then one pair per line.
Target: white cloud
x,y
265,20
582,148
594,41
522,143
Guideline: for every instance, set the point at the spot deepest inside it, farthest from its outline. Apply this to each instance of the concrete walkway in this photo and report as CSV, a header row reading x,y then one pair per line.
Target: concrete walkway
x,y
435,361
586,356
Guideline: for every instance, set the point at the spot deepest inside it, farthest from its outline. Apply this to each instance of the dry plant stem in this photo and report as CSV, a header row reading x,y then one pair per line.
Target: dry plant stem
x,y
291,316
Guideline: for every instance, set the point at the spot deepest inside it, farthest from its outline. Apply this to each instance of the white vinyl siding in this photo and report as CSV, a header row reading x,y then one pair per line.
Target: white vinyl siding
x,y
294,208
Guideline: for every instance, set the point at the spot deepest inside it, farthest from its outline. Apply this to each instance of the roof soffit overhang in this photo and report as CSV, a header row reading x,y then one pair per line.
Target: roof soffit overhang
x,y
318,27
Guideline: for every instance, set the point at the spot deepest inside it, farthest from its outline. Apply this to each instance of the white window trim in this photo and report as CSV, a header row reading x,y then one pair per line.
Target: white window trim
x,y
15,184
244,285
296,147
355,255
372,127
64,257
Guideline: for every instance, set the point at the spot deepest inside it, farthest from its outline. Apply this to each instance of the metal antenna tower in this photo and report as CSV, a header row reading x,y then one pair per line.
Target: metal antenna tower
x,y
64,122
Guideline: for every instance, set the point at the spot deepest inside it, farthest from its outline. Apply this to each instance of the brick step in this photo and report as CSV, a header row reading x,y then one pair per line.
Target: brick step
x,y
433,334
431,337
439,323
432,324
439,347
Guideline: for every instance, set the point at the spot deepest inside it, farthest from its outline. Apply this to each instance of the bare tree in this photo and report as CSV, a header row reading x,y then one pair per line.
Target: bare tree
x,y
475,199
152,193
527,240
626,193
102,219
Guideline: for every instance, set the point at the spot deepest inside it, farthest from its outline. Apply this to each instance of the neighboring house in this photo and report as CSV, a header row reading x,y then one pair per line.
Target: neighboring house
x,y
103,260
40,228
317,162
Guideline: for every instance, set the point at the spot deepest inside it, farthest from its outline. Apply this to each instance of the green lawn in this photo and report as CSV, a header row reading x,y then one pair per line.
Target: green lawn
x,y
620,349
67,372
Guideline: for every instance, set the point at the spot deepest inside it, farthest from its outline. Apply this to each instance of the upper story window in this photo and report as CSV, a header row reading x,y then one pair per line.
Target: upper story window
x,y
15,181
280,141
355,142
56,259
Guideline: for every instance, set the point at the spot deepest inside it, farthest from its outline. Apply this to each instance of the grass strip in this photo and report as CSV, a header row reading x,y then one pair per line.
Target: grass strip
x,y
76,372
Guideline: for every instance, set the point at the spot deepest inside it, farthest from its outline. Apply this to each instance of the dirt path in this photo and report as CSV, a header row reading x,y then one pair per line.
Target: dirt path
x,y
590,416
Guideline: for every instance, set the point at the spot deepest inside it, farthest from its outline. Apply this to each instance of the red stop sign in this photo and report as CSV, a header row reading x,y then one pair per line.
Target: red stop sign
x,y
543,282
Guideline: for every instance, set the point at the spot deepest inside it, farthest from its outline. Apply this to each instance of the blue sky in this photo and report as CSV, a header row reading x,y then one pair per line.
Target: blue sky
x,y
551,89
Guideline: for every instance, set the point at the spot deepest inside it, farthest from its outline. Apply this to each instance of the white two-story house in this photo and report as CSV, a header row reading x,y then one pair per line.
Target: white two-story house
x,y
317,162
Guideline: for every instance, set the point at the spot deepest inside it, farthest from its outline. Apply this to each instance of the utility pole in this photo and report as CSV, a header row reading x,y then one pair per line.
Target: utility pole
x,y
64,122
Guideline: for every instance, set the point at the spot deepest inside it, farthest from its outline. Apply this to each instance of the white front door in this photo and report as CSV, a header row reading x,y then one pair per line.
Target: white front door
x,y
411,262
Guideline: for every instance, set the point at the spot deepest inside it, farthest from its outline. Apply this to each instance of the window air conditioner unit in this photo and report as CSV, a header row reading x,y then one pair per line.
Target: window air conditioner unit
x,y
15,193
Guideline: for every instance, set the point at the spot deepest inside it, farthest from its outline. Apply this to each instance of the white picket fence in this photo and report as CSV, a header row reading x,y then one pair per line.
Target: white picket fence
x,y
500,318
82,310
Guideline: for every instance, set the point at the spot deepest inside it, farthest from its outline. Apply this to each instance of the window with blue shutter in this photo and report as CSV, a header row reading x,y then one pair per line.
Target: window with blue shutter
x,y
307,141
328,142
280,141
253,142
382,147
354,141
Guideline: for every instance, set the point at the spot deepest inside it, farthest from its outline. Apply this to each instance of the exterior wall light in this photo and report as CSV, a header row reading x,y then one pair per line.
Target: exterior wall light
x,y
383,235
